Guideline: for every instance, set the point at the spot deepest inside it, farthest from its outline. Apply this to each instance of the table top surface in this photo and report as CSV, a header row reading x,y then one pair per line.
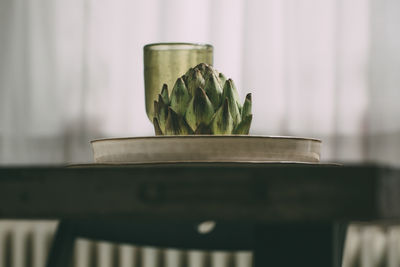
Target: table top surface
x,y
239,192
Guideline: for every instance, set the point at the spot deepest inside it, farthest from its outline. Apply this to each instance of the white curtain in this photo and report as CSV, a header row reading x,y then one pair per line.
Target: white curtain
x,y
72,70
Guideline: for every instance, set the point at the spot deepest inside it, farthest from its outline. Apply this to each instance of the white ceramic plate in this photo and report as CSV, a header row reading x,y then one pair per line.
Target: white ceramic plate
x,y
206,148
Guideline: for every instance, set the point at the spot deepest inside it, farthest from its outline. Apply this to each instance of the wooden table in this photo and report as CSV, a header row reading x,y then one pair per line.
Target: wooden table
x,y
288,214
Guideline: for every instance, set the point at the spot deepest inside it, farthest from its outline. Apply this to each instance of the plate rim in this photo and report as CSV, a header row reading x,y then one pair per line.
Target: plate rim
x,y
127,164
207,136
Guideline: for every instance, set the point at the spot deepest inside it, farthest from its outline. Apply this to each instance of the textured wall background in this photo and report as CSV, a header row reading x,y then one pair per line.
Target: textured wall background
x,y
71,71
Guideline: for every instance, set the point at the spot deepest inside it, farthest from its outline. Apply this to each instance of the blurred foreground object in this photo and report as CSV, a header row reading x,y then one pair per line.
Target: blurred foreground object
x,y
286,214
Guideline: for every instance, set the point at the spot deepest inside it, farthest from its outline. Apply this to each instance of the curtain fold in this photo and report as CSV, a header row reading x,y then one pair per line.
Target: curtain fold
x,y
72,71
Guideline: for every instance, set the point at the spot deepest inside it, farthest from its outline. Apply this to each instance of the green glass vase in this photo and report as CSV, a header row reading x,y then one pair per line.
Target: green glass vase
x,y
166,62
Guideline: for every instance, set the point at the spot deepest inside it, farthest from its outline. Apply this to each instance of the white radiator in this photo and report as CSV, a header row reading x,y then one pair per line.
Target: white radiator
x,y
372,246
27,243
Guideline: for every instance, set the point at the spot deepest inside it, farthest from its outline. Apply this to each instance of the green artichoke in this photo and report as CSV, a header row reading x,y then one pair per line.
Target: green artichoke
x,y
202,101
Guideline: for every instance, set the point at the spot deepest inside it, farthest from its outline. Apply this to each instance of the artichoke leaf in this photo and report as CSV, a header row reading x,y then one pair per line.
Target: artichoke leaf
x,y
246,111
200,110
164,94
180,97
175,124
230,93
244,125
222,79
161,112
213,91
157,128
203,129
195,80
222,122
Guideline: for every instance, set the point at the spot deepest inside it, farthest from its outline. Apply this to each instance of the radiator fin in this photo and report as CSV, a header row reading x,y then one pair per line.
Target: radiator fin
x,y
27,244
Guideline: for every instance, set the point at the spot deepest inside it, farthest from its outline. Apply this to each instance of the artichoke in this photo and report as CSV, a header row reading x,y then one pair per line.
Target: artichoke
x,y
202,101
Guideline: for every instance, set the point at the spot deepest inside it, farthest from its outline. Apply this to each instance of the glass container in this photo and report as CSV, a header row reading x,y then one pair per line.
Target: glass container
x,y
165,62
